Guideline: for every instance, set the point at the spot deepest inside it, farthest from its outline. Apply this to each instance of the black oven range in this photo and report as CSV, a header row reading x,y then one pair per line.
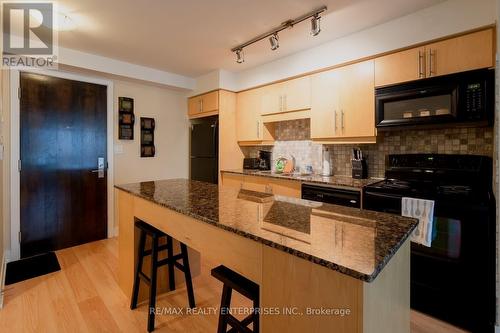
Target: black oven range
x,y
454,278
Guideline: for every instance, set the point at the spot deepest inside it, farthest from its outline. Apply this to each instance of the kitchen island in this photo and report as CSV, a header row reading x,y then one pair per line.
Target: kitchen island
x,y
320,267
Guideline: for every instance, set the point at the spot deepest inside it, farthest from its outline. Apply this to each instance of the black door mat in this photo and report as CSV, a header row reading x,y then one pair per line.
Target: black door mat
x,y
31,267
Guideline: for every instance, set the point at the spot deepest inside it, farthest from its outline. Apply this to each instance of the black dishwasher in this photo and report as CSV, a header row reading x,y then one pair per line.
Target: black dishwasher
x,y
332,195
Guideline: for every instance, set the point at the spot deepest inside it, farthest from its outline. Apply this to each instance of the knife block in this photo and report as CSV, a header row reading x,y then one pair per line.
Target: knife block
x,y
359,169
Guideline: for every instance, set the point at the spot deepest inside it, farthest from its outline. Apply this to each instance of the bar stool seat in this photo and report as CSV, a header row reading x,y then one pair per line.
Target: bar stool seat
x,y
171,260
244,286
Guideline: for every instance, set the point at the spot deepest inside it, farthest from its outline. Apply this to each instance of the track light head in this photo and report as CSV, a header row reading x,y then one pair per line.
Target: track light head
x,y
239,56
315,25
273,40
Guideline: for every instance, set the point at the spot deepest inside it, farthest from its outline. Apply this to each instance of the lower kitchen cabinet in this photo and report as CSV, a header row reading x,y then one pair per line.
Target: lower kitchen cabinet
x,y
289,188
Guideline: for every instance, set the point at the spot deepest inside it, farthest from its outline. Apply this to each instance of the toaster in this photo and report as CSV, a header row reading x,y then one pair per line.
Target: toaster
x,y
251,163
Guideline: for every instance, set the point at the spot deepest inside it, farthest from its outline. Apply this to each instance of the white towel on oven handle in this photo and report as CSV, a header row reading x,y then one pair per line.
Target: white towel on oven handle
x,y
423,210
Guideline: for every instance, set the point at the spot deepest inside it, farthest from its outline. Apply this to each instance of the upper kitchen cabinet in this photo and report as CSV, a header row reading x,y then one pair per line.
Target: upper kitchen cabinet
x,y
249,125
453,55
203,105
291,95
248,122
459,54
343,108
401,66
324,104
357,100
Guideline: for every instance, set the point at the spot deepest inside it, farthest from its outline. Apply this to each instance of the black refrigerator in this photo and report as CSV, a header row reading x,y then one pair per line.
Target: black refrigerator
x,y
204,149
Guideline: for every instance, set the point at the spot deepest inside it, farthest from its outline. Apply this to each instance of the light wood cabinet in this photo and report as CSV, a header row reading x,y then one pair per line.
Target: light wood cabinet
x,y
459,54
343,102
248,112
453,55
324,104
401,66
230,154
291,95
203,105
357,100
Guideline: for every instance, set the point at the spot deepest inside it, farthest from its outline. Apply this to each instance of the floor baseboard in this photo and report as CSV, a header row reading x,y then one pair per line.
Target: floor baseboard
x,y
2,278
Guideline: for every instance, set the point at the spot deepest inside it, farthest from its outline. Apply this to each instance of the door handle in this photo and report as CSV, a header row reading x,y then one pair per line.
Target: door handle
x,y
100,168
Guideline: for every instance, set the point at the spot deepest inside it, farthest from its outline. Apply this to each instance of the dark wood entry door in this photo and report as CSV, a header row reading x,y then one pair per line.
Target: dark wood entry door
x,y
63,133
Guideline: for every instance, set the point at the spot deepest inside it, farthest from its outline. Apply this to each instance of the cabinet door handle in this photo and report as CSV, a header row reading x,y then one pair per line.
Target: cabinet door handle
x,y
258,129
285,107
420,64
281,103
432,54
201,105
342,119
335,122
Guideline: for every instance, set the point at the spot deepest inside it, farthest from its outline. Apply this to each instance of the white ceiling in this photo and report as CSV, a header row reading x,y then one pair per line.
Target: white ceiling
x,y
194,37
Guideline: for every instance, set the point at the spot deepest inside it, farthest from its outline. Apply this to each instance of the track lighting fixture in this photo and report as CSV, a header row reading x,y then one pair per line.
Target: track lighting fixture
x,y
273,34
275,44
239,56
315,25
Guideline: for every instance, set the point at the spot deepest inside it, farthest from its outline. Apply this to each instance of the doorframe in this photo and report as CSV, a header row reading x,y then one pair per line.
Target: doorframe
x,y
15,150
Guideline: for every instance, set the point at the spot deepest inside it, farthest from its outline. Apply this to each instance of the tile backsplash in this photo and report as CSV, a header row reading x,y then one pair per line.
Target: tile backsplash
x,y
292,139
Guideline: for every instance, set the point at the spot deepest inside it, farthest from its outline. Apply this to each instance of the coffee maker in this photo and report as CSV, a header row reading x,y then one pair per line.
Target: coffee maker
x,y
264,160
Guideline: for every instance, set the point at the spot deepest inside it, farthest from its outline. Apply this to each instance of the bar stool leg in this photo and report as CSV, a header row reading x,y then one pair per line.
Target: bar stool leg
x,y
171,275
187,275
135,290
152,287
256,310
224,306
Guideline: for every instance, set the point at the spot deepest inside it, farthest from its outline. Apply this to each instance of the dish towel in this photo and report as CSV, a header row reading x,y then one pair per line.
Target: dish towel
x,y
423,210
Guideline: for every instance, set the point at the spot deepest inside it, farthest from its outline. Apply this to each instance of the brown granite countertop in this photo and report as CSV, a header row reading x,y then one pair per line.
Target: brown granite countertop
x,y
340,181
354,242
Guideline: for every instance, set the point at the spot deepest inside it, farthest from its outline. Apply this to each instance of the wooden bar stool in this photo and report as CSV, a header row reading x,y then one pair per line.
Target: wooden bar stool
x,y
244,286
171,260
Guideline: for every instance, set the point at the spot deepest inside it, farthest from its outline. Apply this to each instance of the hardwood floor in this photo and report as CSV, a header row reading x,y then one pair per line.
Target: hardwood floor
x,y
84,297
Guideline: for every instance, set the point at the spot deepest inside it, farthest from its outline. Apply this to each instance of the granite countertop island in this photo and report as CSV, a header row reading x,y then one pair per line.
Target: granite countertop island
x,y
292,225
340,181
303,254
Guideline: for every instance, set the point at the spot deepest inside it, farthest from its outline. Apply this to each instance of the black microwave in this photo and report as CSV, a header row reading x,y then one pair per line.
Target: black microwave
x,y
463,98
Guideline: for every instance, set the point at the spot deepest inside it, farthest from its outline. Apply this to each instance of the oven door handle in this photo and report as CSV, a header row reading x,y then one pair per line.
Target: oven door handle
x,y
381,195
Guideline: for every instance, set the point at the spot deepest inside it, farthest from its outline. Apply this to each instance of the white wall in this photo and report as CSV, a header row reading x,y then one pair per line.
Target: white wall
x,y
218,79
446,18
169,108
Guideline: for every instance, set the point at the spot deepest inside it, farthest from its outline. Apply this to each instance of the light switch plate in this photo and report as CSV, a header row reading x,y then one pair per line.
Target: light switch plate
x,y
118,149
